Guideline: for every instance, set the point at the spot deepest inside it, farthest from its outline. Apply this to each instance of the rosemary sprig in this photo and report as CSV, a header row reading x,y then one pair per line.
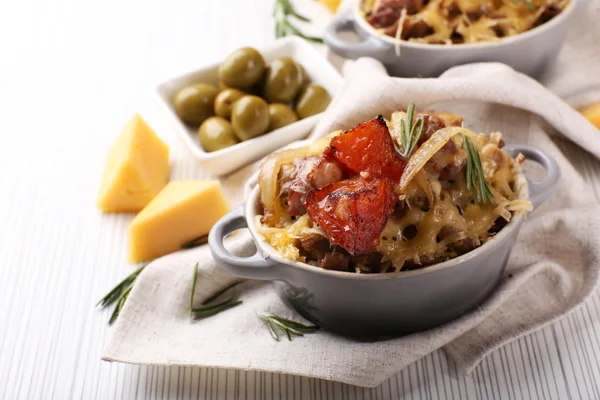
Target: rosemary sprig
x,y
475,176
209,307
195,242
283,27
119,294
527,3
287,326
410,131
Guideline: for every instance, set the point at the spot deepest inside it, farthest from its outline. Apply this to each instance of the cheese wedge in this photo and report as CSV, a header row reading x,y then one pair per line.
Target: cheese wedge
x,y
331,4
137,168
181,212
592,113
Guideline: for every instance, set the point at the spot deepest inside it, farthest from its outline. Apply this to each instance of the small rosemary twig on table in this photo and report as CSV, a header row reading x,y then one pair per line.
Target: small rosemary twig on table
x,y
283,27
287,326
120,293
208,306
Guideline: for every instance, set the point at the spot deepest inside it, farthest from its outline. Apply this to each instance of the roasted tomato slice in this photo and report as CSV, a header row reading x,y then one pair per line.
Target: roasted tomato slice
x,y
368,147
352,212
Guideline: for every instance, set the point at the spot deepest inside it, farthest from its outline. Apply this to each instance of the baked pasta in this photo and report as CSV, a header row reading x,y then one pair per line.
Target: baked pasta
x,y
389,195
458,21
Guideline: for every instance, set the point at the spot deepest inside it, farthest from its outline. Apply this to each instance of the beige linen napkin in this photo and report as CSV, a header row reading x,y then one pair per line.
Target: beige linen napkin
x,y
553,268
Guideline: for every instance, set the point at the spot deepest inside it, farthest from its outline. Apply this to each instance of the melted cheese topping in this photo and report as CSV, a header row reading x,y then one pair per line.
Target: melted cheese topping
x,y
439,217
475,20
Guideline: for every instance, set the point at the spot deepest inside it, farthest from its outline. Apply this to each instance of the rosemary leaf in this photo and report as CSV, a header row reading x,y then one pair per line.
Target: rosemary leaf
x,y
287,326
475,175
194,279
120,304
527,3
282,11
271,328
214,311
195,242
220,292
209,308
118,290
410,131
288,330
295,325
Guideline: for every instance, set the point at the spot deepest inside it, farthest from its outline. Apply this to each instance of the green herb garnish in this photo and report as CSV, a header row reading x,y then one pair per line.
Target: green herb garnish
x,y
289,327
475,176
527,3
209,306
283,27
410,131
119,294
195,242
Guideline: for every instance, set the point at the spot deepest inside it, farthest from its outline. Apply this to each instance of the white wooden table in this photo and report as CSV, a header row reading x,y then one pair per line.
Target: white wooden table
x,y
71,73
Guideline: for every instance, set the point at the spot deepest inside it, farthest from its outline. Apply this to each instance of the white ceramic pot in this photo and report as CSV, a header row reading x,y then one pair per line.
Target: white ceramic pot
x,y
529,52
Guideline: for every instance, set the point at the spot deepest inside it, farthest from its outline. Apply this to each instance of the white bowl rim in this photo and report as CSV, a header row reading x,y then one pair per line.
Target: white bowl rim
x,y
269,251
538,30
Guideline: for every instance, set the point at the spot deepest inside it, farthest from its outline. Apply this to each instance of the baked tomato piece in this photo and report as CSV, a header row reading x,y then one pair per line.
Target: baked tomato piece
x,y
352,212
368,147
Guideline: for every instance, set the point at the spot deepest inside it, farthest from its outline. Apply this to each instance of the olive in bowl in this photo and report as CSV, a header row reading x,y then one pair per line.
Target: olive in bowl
x,y
249,117
242,69
280,115
224,101
313,100
216,133
194,103
282,81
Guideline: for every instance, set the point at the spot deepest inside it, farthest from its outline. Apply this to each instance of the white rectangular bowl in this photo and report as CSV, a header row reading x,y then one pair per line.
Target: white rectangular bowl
x,y
224,161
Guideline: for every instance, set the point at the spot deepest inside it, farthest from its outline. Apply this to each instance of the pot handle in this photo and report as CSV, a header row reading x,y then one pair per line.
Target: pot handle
x,y
371,47
254,267
539,191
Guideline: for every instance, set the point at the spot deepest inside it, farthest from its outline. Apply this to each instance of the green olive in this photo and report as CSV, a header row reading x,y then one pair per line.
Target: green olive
x,y
193,104
249,117
303,76
223,86
242,68
216,133
225,100
280,115
313,100
282,81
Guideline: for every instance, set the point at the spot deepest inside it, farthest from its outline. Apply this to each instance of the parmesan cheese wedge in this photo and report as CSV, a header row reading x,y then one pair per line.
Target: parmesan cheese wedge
x,y
137,168
180,213
592,113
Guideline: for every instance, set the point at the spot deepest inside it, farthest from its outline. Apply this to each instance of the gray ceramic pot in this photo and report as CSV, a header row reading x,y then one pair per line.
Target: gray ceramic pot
x,y
529,52
382,304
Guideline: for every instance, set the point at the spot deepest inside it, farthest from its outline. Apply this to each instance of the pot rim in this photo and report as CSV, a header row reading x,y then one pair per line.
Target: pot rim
x,y
538,30
268,251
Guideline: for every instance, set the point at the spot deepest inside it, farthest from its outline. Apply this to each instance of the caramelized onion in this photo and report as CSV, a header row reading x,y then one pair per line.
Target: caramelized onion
x,y
427,150
275,214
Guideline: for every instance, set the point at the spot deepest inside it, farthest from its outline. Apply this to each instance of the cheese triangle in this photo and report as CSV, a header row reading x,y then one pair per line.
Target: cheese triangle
x,y
181,212
137,168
